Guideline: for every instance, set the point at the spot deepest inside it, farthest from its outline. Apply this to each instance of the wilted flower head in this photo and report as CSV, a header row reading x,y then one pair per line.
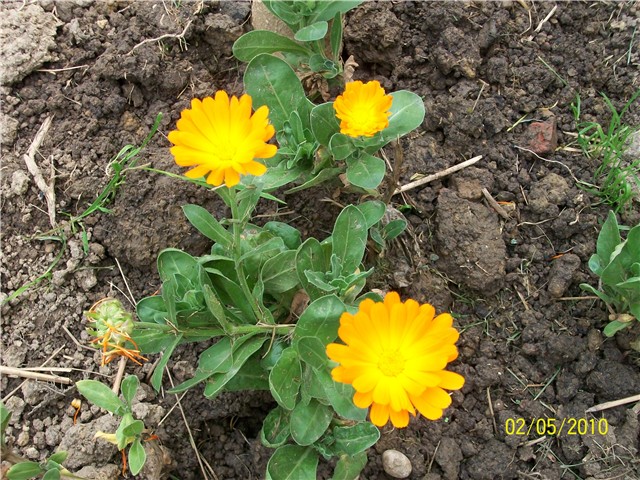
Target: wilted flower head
x,y
220,138
112,325
395,356
363,109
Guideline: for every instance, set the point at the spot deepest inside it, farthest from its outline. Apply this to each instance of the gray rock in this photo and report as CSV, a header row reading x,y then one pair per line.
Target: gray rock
x,y
19,183
26,34
396,464
84,449
561,275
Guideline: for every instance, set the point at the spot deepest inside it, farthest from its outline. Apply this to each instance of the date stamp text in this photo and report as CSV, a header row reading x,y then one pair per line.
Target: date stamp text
x,y
555,427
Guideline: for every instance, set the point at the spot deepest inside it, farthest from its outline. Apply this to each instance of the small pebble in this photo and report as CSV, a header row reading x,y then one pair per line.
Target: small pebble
x,y
396,464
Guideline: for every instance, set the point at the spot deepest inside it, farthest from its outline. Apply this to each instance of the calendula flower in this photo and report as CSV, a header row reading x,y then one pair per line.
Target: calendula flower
x,y
395,356
363,109
220,138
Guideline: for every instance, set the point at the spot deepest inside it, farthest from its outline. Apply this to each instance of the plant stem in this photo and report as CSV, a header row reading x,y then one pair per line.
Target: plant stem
x,y
238,227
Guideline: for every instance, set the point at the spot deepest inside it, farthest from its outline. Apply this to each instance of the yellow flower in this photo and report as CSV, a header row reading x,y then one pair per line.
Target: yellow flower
x,y
363,109
395,358
221,138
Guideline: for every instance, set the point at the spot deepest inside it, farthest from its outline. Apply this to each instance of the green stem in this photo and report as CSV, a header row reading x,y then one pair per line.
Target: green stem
x,y
238,227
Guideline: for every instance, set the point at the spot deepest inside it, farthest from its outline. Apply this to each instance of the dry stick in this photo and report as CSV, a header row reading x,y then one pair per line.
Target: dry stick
x,y
191,439
162,37
614,403
118,380
545,19
29,159
18,372
493,415
496,206
586,297
436,176
10,394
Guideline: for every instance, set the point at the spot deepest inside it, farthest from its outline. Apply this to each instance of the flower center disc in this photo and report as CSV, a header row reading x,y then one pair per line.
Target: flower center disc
x,y
391,363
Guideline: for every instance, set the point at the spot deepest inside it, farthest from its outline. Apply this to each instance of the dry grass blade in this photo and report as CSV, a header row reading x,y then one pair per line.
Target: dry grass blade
x,y
19,372
436,176
613,403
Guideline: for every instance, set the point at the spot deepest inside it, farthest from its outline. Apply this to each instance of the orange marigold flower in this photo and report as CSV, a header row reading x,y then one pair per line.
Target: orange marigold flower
x,y
220,138
395,358
363,109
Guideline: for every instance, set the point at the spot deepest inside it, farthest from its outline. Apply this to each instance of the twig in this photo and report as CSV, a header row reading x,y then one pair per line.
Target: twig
x,y
119,374
496,206
51,357
56,70
545,19
191,439
493,415
75,340
18,372
436,176
162,37
29,159
131,298
614,403
586,297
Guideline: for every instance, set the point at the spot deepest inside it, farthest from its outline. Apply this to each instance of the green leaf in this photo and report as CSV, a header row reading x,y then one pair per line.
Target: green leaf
x,y
321,177
608,239
320,319
252,376
58,457
24,470
285,379
129,387
101,395
293,462
275,428
284,11
407,114
218,358
312,352
243,348
336,36
394,228
326,10
290,235
311,257
355,439
215,307
613,327
341,146
137,457
152,310
324,123
158,371
279,273
313,32
350,238
373,211
309,422
349,467
5,416
271,81
207,224
256,42
341,397
172,261
134,429
51,474
366,171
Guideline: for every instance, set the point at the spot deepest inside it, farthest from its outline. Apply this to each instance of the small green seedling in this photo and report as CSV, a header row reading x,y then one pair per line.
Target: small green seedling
x,y
617,263
130,430
614,179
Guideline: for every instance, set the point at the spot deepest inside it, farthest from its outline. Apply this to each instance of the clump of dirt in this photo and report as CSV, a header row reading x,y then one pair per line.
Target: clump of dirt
x,y
530,348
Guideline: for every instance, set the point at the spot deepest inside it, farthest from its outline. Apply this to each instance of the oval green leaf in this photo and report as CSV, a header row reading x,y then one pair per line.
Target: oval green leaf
x,y
366,171
293,462
313,32
285,379
256,42
101,395
309,422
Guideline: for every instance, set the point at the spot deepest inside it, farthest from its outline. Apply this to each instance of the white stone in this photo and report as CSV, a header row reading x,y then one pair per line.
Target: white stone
x,y
396,464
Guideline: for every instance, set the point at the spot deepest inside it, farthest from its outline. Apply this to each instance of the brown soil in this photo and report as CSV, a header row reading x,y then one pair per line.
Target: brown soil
x,y
526,352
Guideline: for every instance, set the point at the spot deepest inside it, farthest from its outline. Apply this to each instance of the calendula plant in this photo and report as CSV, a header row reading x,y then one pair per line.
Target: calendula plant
x,y
316,27
617,264
50,469
130,432
276,304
